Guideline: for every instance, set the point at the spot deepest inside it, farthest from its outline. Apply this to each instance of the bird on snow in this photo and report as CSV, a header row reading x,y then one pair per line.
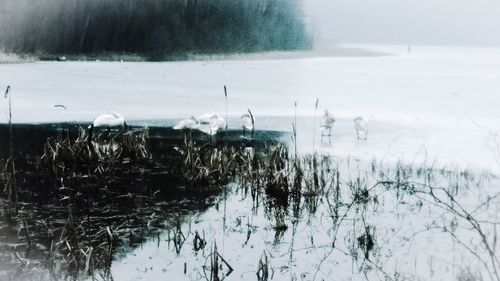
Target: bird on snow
x,y
361,126
326,125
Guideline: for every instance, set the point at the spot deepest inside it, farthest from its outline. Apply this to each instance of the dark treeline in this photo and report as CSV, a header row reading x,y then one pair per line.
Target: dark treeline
x,y
153,28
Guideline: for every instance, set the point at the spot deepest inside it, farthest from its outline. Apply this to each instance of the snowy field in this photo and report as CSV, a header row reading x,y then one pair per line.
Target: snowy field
x,y
438,105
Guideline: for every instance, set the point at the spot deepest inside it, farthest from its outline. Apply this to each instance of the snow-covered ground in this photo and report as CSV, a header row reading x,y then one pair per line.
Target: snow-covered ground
x,y
433,104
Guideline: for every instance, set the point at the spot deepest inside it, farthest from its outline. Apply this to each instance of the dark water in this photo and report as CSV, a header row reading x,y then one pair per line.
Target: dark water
x,y
269,218
72,202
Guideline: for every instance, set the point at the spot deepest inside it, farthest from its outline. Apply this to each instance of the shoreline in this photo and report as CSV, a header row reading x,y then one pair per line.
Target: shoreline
x,y
337,50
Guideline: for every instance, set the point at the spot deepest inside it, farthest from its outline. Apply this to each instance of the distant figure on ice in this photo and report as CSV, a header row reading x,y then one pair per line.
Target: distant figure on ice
x,y
326,125
361,127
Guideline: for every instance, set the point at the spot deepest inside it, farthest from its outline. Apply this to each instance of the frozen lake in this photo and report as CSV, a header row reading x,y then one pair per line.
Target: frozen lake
x,y
433,104
431,108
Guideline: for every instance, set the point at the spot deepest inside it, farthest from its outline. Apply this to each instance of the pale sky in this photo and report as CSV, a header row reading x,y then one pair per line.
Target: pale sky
x,y
428,22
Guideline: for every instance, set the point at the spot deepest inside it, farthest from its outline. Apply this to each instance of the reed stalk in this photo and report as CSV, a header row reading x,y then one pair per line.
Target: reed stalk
x,y
225,96
12,181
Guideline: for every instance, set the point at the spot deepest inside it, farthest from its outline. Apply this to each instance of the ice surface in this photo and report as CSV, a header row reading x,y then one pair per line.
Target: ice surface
x,y
434,104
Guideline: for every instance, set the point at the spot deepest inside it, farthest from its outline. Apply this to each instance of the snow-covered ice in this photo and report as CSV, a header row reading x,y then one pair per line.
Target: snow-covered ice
x,y
435,104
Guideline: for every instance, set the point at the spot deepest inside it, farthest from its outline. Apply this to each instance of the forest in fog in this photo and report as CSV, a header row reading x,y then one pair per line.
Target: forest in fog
x,y
156,29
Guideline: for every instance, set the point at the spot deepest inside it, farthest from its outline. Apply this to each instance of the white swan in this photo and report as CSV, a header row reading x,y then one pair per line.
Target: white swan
x,y
107,120
247,122
211,122
326,125
361,126
189,123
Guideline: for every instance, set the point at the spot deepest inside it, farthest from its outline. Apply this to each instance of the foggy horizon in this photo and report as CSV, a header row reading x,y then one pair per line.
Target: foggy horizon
x,y
392,22
412,22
